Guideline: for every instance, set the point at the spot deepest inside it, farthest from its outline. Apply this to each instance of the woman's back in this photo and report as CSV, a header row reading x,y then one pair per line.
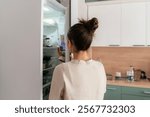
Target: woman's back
x,y
79,80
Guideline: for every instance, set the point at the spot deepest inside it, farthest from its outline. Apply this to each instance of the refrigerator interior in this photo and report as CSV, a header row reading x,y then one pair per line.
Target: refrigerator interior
x,y
54,40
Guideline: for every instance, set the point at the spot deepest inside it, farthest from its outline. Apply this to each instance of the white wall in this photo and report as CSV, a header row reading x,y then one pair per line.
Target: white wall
x,y
20,49
78,10
82,9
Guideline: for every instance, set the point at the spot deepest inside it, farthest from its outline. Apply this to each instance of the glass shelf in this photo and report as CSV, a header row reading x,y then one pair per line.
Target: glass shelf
x,y
46,69
48,84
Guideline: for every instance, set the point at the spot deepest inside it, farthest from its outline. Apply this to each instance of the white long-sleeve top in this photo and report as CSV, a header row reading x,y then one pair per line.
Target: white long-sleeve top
x,y
78,80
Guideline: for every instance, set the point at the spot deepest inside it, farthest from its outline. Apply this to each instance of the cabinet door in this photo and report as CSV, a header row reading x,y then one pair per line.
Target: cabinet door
x,y
135,93
148,23
113,93
108,32
133,25
134,97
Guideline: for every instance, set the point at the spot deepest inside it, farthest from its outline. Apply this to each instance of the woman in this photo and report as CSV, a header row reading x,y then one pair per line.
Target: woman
x,y
82,78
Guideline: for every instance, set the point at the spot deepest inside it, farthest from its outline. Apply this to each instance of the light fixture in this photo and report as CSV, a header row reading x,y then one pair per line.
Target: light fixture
x,y
46,9
49,21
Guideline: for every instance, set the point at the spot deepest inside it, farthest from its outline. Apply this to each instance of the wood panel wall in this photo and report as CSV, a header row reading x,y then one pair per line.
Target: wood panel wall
x,y
118,59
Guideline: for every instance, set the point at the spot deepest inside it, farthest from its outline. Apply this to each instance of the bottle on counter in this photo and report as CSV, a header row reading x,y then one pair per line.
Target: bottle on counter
x,y
130,74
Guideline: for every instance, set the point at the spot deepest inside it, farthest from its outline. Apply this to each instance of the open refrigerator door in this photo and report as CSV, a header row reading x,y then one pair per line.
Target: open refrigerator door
x,y
55,26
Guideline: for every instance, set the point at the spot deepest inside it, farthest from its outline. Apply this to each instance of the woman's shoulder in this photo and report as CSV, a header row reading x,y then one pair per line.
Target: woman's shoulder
x,y
64,65
61,66
97,62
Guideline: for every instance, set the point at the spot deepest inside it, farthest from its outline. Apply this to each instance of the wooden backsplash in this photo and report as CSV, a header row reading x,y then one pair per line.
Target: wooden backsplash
x,y
118,59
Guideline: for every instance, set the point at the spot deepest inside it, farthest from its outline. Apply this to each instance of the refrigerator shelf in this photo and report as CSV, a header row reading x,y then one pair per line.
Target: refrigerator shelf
x,y
47,84
46,69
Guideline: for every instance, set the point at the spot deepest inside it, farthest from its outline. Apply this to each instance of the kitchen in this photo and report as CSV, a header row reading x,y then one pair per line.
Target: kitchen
x,y
122,41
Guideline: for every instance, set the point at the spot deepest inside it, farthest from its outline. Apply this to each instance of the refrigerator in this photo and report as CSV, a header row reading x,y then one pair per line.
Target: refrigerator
x,y
21,47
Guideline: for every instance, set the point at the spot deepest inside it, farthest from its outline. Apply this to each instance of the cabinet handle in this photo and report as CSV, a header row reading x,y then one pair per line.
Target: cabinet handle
x,y
147,92
138,45
114,45
111,88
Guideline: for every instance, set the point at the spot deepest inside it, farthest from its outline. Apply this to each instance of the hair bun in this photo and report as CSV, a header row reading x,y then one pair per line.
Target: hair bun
x,y
91,24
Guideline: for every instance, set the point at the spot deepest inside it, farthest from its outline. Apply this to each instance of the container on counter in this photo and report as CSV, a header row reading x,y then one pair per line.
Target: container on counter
x,y
130,74
118,76
137,74
109,76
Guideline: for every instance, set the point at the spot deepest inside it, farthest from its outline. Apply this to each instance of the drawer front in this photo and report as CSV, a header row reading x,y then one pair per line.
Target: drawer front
x,y
136,91
113,88
113,93
134,97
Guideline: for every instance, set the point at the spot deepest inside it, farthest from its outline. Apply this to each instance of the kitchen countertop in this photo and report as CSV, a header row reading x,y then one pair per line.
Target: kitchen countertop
x,y
141,83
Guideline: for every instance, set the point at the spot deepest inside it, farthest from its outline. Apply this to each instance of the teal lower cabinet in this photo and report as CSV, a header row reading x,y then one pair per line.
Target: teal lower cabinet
x,y
113,93
126,93
135,93
134,97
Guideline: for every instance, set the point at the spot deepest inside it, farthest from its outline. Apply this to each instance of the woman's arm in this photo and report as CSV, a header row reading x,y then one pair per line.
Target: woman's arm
x,y
57,85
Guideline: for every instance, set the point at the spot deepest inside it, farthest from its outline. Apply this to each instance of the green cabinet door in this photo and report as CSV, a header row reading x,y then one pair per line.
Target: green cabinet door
x,y
113,93
126,93
134,97
135,93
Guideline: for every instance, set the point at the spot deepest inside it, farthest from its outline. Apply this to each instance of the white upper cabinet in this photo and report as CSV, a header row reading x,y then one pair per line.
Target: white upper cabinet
x,y
108,32
133,25
124,24
148,23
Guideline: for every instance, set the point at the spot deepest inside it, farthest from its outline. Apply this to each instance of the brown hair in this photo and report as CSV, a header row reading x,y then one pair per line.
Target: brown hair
x,y
81,34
